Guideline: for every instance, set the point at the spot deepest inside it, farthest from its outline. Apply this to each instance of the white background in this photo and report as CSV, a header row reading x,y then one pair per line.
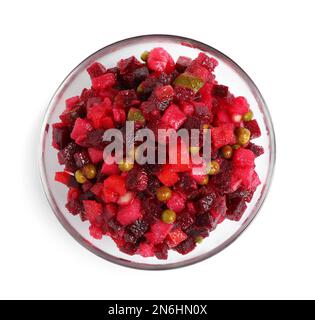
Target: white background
x,y
41,41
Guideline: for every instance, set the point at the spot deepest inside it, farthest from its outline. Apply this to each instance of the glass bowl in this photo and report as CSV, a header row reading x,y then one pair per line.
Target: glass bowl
x,y
229,73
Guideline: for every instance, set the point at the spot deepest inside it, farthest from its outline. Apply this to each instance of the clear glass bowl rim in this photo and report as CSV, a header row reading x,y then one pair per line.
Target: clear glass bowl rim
x,y
222,246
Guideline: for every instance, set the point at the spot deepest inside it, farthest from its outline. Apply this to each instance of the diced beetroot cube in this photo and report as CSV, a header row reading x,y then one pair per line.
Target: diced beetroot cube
x,y
81,141
96,69
97,189
186,246
110,169
239,106
164,93
223,135
70,115
222,180
61,135
81,128
159,60
187,108
249,179
161,251
109,93
241,176
175,237
204,220
110,211
95,139
158,232
86,94
137,179
217,218
181,161
105,104
81,158
257,150
191,208
254,129
120,242
236,179
136,230
170,67
96,155
218,210
63,177
110,196
86,186
119,115
146,250
243,158
96,114
235,208
184,94
195,231
223,117
149,110
167,176
73,194
220,91
107,123
92,102
182,63
128,65
114,187
255,181
177,202
129,213
75,207
96,232
185,219
129,248
205,94
92,209
207,62
203,111
126,99
179,167
71,102
173,117
65,156
104,81
198,71
133,78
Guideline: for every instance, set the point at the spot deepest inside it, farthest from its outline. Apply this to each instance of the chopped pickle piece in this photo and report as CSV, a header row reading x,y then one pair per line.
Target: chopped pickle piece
x,y
199,239
136,115
189,81
140,88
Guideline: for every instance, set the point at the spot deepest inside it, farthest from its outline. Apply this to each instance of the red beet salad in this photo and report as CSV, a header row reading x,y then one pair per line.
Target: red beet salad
x,y
150,209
